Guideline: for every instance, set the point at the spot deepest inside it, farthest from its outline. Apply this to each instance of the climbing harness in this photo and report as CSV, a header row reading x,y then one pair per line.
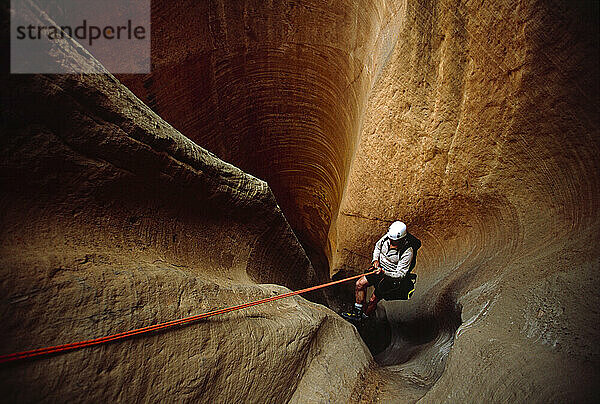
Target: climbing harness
x,y
393,289
17,356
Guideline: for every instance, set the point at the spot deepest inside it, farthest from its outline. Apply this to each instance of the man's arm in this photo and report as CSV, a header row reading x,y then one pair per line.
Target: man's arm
x,y
404,262
376,253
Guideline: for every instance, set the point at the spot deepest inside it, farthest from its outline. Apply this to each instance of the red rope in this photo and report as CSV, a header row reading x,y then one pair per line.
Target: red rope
x,y
169,324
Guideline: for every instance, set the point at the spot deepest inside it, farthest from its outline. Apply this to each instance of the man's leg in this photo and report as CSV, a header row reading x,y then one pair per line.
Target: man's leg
x,y
361,290
356,314
372,305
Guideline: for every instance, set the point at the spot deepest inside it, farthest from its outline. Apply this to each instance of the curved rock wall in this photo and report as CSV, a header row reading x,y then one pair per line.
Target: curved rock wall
x,y
276,89
482,135
477,124
112,220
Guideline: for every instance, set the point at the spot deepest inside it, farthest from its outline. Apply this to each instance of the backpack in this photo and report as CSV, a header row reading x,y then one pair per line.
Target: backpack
x,y
415,243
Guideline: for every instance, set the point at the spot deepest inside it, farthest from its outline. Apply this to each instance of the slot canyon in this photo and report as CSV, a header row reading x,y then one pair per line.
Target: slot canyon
x,y
269,148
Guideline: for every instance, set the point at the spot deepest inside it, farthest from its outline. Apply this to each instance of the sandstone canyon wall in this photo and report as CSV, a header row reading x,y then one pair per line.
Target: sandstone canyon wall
x,y
277,89
482,134
112,220
474,122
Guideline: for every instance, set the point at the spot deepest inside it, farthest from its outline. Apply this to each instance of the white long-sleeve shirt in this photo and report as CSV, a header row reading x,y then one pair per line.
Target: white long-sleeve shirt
x,y
391,262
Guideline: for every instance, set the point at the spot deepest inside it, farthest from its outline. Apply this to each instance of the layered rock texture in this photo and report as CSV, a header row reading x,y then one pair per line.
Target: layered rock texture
x,y
277,89
133,200
482,134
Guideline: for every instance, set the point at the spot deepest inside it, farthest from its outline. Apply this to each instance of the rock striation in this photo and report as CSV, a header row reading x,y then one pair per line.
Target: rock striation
x,y
475,123
482,133
112,220
276,89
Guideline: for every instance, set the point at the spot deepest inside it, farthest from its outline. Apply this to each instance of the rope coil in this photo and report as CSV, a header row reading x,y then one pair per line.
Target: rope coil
x,y
18,356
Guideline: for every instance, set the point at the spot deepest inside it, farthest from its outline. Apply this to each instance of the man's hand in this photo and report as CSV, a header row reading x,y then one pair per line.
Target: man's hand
x,y
375,265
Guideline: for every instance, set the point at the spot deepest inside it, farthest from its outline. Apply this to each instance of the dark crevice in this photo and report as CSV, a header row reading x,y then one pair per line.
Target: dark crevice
x,y
400,341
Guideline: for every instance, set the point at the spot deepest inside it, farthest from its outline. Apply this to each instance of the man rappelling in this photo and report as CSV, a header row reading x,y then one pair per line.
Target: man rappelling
x,y
394,257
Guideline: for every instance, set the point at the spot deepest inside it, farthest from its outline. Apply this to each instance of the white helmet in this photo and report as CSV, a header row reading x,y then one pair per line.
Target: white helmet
x,y
397,231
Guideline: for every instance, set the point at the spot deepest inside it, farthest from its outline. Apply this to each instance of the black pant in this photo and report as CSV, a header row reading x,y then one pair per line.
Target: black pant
x,y
389,288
